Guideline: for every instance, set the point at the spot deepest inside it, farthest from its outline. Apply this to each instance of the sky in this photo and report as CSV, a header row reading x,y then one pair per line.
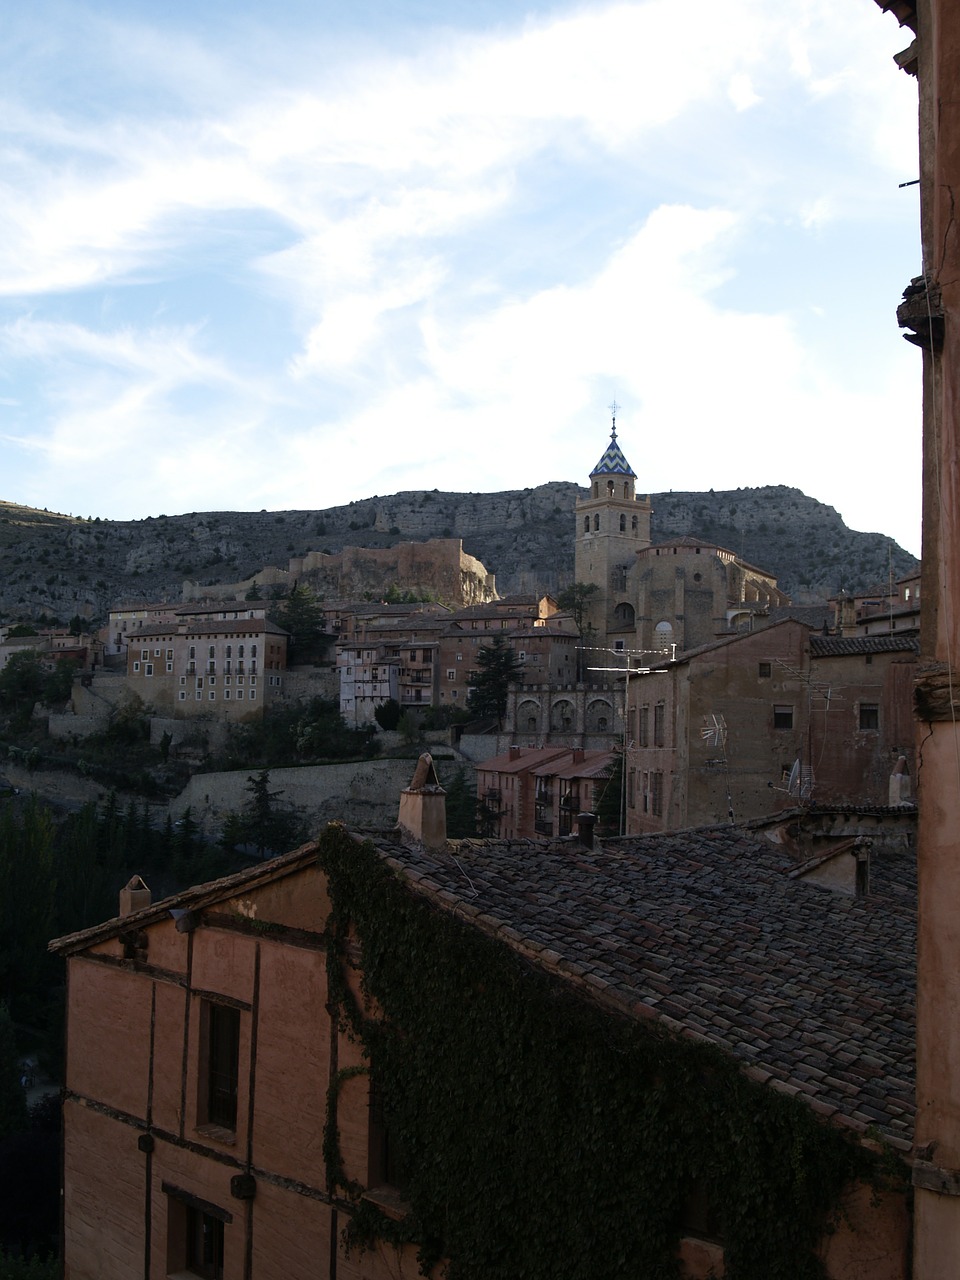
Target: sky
x,y
299,254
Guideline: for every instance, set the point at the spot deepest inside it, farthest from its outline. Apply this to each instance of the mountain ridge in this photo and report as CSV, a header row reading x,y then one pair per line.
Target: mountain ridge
x,y
55,565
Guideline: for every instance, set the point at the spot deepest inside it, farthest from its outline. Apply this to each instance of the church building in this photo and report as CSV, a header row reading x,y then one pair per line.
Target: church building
x,y
654,598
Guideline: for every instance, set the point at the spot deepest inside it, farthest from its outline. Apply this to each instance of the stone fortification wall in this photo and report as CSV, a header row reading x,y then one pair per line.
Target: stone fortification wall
x,y
364,794
439,568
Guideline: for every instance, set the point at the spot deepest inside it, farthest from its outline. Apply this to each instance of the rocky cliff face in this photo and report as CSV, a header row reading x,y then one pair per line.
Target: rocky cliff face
x,y
57,566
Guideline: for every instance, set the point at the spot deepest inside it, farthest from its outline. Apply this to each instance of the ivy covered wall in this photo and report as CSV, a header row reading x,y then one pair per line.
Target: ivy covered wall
x,y
543,1137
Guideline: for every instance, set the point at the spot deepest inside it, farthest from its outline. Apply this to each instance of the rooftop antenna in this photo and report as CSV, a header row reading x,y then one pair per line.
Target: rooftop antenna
x,y
613,407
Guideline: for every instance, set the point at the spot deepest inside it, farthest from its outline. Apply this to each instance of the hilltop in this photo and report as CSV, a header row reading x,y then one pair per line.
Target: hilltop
x,y
59,565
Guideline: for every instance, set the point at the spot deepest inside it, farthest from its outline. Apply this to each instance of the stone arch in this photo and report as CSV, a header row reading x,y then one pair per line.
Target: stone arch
x,y
563,716
599,716
528,716
586,524
624,614
623,524
596,521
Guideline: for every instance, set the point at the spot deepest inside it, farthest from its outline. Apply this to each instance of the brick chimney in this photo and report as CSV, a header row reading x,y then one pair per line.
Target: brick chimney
x,y
585,825
423,806
134,896
514,753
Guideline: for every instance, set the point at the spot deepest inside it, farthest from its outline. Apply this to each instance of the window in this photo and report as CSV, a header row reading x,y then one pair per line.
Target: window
x,y
136,666
644,738
195,1234
212,695
169,667
148,669
782,717
219,1064
586,524
169,655
623,524
658,719
452,675
596,522
656,794
869,715
144,654
764,670
385,1166
157,653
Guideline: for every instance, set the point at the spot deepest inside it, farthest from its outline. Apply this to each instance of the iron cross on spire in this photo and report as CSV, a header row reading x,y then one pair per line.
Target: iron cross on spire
x,y
613,409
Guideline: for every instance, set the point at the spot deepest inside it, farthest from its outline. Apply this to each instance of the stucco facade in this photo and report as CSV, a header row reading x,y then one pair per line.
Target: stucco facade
x,y
756,723
200,1055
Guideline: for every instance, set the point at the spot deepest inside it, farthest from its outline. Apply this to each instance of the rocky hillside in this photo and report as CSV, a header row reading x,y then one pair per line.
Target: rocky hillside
x,y
57,566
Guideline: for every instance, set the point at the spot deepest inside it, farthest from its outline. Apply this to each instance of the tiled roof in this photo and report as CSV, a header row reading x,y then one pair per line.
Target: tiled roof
x,y
613,462
526,758
592,764
832,646
207,627
812,991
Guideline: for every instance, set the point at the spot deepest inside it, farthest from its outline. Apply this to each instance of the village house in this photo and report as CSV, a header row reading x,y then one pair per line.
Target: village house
x,y
334,1059
748,725
530,792
227,663
873,613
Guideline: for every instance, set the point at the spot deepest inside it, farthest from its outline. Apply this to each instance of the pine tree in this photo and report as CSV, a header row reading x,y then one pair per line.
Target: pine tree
x,y
497,668
13,1100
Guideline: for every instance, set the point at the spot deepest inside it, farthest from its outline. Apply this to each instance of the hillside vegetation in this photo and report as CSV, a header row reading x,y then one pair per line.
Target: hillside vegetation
x,y
54,565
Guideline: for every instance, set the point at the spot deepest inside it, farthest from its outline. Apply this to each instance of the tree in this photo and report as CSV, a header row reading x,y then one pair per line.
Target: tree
x,y
26,902
387,714
13,1100
21,681
302,616
576,599
497,668
608,803
461,806
262,822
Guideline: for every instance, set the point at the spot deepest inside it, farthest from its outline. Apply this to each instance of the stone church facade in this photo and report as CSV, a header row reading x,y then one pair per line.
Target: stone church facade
x,y
656,598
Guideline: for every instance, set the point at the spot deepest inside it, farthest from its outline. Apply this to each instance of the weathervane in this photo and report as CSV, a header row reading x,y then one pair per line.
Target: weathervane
x,y
613,409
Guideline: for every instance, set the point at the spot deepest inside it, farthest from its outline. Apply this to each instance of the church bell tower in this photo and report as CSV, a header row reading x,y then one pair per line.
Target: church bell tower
x,y
613,524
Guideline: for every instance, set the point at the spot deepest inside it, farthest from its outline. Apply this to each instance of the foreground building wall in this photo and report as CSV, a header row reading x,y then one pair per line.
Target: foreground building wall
x,y
198,1067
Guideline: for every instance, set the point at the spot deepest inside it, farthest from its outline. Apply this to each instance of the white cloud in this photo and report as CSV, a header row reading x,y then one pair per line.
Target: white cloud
x,y
473,245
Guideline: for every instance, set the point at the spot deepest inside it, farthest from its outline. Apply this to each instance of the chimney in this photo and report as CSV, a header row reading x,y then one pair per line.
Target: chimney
x,y
585,824
578,755
423,806
514,753
134,896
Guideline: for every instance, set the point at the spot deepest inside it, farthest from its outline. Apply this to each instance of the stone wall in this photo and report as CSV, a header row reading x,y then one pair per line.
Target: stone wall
x,y
363,794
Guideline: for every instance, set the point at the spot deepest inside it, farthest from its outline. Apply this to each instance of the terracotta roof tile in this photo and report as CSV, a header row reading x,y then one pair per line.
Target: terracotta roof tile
x,y
706,931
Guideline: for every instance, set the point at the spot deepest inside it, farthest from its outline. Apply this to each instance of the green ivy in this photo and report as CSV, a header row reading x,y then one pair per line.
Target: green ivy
x,y
545,1138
